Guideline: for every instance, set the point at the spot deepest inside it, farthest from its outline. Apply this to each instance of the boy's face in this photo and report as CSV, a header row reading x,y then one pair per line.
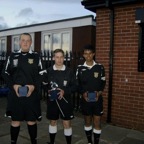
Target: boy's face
x,y
58,58
88,55
25,43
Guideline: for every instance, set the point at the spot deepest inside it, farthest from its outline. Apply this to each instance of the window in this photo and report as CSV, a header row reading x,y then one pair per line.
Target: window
x,y
2,44
16,43
32,45
2,47
65,41
47,41
56,40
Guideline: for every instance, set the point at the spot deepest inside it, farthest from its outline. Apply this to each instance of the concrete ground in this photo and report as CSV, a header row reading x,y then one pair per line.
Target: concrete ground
x,y
110,134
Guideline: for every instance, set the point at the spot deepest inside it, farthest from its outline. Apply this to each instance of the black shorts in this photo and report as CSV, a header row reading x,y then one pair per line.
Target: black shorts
x,y
92,108
24,111
59,108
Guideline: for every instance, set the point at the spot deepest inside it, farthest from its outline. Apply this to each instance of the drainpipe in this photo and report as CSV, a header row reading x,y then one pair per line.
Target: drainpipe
x,y
108,4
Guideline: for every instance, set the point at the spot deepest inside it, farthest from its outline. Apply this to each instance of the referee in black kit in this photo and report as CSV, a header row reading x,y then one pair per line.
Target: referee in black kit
x,y
61,83
91,80
22,72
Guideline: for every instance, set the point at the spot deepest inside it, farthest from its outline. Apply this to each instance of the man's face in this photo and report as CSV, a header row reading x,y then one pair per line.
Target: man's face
x,y
25,43
88,55
58,58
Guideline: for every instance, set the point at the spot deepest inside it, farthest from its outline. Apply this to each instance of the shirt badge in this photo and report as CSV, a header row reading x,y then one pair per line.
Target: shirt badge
x,y
64,82
30,61
96,74
15,62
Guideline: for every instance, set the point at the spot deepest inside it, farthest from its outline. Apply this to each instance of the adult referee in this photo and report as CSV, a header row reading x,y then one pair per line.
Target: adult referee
x,y
91,79
22,74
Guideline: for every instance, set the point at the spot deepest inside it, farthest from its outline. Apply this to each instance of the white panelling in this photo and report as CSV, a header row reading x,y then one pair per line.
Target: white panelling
x,y
55,25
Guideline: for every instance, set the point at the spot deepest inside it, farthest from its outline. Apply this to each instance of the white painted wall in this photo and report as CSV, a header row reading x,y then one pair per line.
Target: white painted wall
x,y
55,25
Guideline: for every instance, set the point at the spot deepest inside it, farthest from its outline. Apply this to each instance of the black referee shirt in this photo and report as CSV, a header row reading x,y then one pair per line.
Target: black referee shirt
x,y
90,78
23,69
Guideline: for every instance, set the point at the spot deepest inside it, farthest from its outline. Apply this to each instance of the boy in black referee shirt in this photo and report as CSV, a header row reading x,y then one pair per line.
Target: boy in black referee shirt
x,y
61,83
91,79
22,72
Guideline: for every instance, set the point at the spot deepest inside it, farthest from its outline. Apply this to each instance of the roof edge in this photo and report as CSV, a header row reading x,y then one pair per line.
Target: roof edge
x,y
92,5
56,21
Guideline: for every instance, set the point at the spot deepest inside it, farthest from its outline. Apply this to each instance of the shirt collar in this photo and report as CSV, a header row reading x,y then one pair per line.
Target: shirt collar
x,y
62,69
88,65
30,51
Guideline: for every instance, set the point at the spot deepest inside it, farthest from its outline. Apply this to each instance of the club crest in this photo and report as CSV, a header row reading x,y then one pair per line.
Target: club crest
x,y
96,74
30,61
64,82
15,62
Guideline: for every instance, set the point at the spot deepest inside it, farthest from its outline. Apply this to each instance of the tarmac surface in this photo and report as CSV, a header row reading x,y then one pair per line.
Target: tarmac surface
x,y
110,134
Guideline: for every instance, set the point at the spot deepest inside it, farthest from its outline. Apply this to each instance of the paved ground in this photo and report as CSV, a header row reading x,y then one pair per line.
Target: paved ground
x,y
110,134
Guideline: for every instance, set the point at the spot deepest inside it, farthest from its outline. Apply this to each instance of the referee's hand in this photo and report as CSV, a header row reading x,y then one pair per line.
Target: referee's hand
x,y
30,89
16,87
85,96
61,93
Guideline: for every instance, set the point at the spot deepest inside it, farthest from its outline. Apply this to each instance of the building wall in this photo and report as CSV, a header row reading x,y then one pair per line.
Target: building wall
x,y
102,48
37,41
60,26
9,46
128,83
82,36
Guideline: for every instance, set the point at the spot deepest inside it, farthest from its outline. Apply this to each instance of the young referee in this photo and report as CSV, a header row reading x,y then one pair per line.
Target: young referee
x,y
61,84
22,72
91,79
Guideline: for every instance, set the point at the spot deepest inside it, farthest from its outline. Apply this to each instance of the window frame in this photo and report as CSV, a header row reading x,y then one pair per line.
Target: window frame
x,y
51,32
3,38
13,37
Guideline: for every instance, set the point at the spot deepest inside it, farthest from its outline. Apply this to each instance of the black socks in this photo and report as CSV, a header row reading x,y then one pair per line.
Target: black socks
x,y
89,136
52,138
96,138
52,133
14,131
32,129
97,134
88,132
68,135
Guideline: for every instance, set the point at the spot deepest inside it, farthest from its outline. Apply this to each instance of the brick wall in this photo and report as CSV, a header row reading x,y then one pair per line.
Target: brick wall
x,y
128,83
82,36
102,47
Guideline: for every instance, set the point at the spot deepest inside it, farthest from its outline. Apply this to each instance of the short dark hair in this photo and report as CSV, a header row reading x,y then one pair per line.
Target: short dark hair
x,y
57,51
26,34
89,47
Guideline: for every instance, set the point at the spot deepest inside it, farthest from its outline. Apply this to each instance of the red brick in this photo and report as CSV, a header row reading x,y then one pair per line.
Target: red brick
x,y
127,97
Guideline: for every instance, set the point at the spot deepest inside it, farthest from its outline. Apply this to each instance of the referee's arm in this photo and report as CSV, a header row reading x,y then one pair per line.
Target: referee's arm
x,y
78,82
103,80
6,73
42,70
